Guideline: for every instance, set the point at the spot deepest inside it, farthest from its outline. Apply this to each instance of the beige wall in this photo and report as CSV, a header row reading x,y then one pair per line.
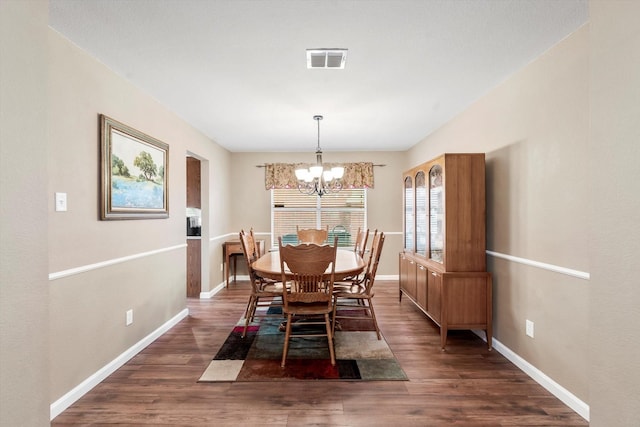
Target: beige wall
x,y
542,179
251,202
615,213
534,129
24,290
87,310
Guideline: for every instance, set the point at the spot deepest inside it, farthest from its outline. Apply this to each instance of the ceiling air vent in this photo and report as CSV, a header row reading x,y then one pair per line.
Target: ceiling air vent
x,y
326,58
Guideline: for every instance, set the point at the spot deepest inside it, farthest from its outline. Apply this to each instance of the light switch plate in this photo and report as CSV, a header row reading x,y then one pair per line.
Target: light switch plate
x,y
61,202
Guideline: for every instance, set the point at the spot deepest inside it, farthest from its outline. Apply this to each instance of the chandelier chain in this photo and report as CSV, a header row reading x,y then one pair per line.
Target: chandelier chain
x,y
317,180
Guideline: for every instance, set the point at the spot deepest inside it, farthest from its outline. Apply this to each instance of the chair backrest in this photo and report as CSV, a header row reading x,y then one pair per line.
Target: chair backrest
x,y
312,235
369,264
309,269
250,255
374,259
361,242
255,243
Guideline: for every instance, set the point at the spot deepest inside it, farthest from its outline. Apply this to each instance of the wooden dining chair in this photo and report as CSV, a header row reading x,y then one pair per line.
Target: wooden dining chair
x,y
360,246
265,293
310,296
312,235
360,249
257,246
358,298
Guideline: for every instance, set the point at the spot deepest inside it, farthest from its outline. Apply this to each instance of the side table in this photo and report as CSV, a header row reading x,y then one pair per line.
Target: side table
x,y
233,249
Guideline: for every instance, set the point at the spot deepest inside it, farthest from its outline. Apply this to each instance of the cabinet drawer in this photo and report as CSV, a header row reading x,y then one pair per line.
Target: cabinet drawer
x,y
233,248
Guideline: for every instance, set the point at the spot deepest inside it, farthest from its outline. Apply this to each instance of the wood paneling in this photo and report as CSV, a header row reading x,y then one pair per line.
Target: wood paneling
x,y
193,183
194,267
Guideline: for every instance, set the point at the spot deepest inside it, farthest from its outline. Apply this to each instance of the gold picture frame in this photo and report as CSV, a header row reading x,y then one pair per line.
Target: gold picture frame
x,y
134,173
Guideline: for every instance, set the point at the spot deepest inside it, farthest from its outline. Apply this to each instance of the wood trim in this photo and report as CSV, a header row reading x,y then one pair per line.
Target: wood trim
x,y
97,265
545,266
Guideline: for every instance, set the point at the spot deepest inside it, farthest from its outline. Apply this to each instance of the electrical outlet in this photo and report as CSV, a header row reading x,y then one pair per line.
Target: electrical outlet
x,y
529,328
129,317
221,267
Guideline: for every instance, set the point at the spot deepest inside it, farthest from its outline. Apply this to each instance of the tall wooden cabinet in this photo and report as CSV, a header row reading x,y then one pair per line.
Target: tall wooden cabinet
x,y
443,262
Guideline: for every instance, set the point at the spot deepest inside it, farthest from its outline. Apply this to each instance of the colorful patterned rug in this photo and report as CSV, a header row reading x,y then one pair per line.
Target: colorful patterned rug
x,y
360,356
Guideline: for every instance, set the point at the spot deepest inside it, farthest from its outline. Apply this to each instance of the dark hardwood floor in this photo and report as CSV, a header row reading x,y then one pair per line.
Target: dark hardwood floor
x,y
467,385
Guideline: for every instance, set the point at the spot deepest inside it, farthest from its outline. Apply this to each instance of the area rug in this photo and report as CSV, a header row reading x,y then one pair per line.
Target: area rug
x,y
360,356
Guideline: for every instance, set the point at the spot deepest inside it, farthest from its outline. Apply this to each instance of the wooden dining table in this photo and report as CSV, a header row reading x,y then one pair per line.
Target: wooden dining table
x,y
348,263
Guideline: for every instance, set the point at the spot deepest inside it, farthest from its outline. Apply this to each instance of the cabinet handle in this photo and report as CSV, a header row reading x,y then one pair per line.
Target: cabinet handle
x,y
433,273
421,267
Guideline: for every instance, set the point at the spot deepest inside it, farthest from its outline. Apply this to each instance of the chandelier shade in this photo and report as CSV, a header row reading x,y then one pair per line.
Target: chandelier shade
x,y
316,179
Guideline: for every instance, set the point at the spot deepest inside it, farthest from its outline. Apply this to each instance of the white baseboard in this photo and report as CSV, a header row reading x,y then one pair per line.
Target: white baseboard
x,y
569,399
57,407
212,292
221,286
85,386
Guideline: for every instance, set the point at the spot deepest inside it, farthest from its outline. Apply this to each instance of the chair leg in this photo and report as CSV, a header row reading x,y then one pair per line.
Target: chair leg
x,y
248,309
330,339
287,335
368,312
373,317
249,313
333,316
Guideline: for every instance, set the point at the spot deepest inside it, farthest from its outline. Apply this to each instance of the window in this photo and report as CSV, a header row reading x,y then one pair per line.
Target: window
x,y
343,212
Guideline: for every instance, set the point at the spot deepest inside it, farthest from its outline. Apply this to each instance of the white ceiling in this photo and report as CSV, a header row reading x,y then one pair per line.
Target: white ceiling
x,y
236,69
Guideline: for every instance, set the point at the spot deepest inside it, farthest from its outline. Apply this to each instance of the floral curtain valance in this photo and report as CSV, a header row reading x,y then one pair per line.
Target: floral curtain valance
x,y
283,175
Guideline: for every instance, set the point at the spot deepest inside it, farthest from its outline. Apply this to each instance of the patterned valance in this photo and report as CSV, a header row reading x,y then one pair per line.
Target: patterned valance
x,y
283,175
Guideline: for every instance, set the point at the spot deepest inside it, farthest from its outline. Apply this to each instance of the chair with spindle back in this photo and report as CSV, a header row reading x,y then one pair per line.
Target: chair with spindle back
x,y
265,293
312,235
360,248
360,293
310,294
360,245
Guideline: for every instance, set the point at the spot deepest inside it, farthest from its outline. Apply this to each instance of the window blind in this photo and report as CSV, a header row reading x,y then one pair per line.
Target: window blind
x,y
343,213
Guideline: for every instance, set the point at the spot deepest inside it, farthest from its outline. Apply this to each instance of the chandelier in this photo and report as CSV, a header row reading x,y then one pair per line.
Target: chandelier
x,y
316,179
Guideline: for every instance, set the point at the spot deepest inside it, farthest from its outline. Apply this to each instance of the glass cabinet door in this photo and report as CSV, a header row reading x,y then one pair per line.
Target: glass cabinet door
x,y
436,214
408,214
421,214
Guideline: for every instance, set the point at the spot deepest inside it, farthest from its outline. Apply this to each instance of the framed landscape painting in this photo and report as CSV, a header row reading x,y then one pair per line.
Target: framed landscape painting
x,y
134,173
